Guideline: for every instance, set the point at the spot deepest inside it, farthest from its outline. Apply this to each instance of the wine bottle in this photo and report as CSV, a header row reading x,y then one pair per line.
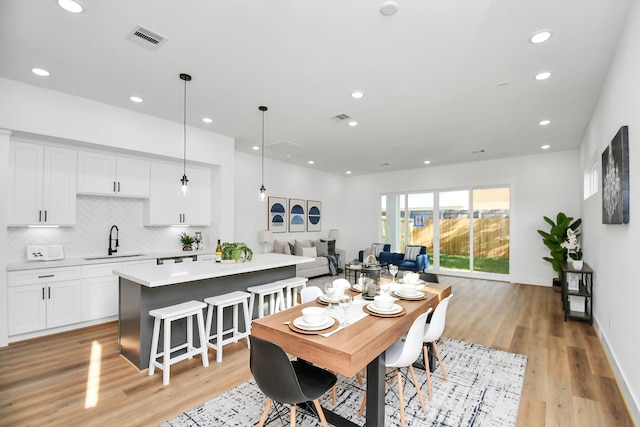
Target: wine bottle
x,y
218,256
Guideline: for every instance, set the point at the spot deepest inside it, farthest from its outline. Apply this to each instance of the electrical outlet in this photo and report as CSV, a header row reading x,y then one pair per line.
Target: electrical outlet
x,y
610,324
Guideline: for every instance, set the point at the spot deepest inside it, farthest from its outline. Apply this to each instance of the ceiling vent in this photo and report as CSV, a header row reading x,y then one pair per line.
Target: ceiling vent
x,y
145,37
340,117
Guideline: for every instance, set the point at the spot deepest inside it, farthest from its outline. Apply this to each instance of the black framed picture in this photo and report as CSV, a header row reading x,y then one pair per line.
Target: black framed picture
x,y
615,179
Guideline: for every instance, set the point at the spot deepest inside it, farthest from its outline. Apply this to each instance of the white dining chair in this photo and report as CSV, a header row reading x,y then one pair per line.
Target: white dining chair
x,y
342,284
402,354
310,293
432,332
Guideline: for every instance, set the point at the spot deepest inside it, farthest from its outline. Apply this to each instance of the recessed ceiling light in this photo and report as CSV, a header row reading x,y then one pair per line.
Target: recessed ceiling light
x,y
545,147
255,147
311,162
543,75
540,37
357,94
207,120
389,8
40,72
353,123
426,162
544,122
136,99
348,172
70,6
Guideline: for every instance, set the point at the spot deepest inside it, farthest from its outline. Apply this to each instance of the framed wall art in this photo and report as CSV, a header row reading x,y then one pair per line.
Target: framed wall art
x,y
314,215
297,215
615,179
277,211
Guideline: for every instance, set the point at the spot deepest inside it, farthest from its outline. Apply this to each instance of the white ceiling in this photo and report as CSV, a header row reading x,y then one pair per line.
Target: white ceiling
x,y
430,73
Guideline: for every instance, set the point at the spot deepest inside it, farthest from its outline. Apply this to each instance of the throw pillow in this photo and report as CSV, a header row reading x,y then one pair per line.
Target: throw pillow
x,y
278,246
411,252
376,248
304,243
310,252
331,246
322,248
297,249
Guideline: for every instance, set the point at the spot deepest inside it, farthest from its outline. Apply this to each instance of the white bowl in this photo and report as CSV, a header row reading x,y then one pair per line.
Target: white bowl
x,y
314,315
407,289
383,302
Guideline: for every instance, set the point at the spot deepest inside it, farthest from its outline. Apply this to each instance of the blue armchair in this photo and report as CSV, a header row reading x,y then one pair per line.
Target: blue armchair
x,y
362,257
421,262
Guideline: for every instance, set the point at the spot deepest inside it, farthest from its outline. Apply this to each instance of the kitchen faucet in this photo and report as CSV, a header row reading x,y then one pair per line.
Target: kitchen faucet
x,y
112,251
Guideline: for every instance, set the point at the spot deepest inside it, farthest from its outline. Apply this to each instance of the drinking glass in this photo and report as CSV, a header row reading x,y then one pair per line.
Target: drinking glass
x,y
345,303
329,290
393,269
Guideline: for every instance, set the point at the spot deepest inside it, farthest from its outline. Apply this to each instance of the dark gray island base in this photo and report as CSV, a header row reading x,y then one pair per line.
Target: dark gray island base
x,y
136,326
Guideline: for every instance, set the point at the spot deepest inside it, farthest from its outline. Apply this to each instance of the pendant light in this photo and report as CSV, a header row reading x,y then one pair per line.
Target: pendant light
x,y
184,182
263,191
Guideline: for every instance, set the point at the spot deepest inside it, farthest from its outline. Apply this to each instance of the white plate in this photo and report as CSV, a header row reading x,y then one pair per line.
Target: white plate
x,y
417,282
326,299
357,288
300,323
416,294
395,308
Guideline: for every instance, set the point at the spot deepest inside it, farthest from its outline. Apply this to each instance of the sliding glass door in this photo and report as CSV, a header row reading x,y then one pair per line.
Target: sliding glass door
x,y
464,230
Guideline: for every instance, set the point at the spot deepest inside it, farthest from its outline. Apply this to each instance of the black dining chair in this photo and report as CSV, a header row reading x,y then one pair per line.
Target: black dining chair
x,y
286,381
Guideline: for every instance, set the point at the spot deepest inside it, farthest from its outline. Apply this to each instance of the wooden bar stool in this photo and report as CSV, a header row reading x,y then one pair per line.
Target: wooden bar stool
x,y
293,285
219,303
166,315
275,292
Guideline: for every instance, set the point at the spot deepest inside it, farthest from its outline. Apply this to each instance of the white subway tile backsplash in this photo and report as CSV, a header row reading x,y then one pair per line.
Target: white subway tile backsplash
x,y
94,217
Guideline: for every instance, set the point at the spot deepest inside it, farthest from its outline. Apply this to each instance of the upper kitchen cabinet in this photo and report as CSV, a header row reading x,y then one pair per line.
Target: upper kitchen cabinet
x,y
111,175
166,206
43,185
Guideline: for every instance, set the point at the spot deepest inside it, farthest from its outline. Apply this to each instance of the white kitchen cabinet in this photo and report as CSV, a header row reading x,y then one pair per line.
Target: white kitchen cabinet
x,y
100,288
44,298
111,175
42,186
166,206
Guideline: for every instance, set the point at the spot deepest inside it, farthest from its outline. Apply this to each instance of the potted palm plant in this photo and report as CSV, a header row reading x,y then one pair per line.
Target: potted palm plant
x,y
236,252
555,239
187,241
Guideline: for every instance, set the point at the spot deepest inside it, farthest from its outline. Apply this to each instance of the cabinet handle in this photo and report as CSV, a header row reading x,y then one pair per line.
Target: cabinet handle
x,y
43,292
114,187
45,216
184,218
39,216
45,276
118,187
49,290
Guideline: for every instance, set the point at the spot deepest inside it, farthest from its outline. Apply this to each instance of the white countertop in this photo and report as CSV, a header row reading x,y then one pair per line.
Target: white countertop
x,y
171,274
98,259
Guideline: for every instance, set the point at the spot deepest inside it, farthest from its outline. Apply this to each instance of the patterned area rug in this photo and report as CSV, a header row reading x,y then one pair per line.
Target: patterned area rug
x,y
484,389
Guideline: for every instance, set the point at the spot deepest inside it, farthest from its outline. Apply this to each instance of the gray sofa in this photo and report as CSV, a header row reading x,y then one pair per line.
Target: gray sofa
x,y
317,249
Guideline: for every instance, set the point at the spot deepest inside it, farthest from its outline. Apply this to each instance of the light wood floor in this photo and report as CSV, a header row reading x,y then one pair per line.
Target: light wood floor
x,y
568,381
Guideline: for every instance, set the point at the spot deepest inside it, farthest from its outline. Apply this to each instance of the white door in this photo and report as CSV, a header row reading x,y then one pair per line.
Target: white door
x,y
64,303
96,173
25,198
59,186
27,309
133,177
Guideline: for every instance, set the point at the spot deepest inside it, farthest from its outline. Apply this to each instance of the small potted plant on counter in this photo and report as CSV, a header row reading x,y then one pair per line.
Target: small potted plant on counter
x,y
236,252
187,241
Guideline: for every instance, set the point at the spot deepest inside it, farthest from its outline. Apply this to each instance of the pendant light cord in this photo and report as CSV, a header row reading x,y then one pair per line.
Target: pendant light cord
x,y
263,148
184,124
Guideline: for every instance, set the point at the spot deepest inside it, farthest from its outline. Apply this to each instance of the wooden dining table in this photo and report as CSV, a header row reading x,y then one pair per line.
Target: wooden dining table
x,y
348,351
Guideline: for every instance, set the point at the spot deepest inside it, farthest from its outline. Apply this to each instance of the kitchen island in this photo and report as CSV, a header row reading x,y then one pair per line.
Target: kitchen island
x,y
149,287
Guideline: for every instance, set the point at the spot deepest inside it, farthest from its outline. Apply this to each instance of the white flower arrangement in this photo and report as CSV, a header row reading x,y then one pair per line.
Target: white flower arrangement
x,y
572,246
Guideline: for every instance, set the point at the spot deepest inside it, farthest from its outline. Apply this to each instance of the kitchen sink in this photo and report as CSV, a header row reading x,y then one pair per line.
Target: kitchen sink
x,y
93,258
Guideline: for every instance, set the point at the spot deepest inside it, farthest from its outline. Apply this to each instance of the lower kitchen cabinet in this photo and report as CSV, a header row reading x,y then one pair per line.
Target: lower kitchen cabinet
x,y
42,299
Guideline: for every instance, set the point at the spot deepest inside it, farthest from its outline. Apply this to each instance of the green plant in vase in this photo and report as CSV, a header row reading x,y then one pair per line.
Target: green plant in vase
x,y
239,252
556,237
187,241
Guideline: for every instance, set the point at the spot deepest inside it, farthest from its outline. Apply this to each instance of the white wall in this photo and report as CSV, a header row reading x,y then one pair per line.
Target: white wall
x,y
289,181
534,193
610,249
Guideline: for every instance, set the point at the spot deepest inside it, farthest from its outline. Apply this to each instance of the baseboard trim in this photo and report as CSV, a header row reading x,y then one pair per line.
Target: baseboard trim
x,y
627,395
